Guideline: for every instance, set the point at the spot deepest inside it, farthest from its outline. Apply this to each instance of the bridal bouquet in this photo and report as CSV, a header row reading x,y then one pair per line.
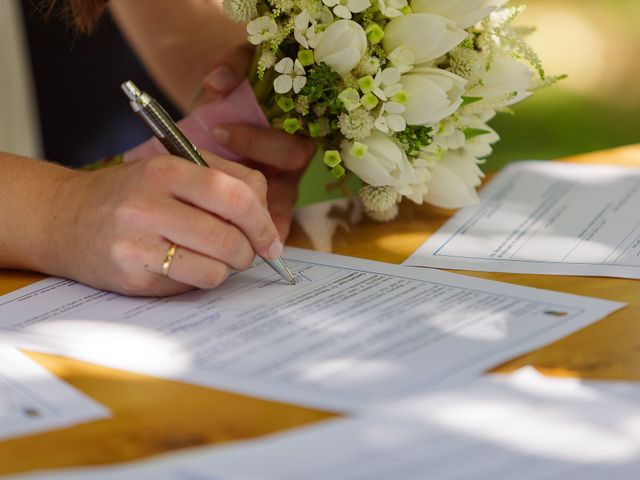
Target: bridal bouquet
x,y
397,93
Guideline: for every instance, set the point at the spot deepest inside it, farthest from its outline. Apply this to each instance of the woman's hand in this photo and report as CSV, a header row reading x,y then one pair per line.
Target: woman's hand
x,y
116,225
281,157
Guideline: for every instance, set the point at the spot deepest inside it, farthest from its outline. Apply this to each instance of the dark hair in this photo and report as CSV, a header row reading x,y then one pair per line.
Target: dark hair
x,y
81,14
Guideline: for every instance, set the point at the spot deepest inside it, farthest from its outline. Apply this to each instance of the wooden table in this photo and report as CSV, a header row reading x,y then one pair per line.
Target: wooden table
x,y
151,416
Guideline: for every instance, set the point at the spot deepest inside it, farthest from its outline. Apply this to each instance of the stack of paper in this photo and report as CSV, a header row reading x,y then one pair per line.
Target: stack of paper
x,y
32,400
545,217
522,426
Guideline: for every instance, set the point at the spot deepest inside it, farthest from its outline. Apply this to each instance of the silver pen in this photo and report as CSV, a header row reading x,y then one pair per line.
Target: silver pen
x,y
176,143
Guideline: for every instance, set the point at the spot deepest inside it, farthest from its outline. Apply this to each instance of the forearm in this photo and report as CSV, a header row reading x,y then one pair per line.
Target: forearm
x,y
29,218
178,41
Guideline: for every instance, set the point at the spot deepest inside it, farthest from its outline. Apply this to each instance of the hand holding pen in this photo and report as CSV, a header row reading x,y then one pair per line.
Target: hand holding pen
x,y
162,126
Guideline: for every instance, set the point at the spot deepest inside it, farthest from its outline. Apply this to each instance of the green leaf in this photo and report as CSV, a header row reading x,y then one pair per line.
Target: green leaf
x,y
470,100
470,133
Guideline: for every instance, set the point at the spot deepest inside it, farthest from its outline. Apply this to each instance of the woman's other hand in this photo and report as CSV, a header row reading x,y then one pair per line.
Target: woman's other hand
x,y
281,157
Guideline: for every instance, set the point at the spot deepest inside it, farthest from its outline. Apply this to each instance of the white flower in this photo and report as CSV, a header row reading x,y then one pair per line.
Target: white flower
x,y
390,118
506,77
454,180
304,30
356,125
262,29
402,58
344,8
386,83
292,76
380,203
465,13
449,135
342,46
391,8
432,94
427,36
383,162
469,63
241,10
267,59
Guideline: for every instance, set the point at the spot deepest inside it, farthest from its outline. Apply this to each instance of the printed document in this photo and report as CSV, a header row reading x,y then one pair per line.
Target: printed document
x,y
32,400
522,426
549,218
351,333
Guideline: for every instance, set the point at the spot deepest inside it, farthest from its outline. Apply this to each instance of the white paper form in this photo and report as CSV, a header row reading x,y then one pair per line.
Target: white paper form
x,y
33,400
351,333
522,426
545,218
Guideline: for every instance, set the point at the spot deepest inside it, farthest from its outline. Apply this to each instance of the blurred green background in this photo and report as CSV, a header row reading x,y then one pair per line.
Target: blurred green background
x,y
594,42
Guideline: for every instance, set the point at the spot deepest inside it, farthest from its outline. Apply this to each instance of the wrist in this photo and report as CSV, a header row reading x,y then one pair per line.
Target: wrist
x,y
58,228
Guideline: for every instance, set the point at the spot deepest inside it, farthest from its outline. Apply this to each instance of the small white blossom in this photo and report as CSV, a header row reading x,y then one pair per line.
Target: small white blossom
x,y
241,10
267,59
304,30
391,8
262,30
387,83
380,203
449,135
468,63
345,8
403,59
390,118
368,66
356,125
292,76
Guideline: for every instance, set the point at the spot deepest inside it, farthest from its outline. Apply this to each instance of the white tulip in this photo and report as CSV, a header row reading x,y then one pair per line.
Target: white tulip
x,y
453,181
432,94
465,13
342,46
427,36
383,163
507,76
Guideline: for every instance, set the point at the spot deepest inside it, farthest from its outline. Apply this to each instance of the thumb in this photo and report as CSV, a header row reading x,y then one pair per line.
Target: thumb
x,y
228,72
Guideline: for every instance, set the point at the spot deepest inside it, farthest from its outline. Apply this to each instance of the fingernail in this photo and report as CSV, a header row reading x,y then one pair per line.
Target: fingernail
x,y
275,250
220,135
220,79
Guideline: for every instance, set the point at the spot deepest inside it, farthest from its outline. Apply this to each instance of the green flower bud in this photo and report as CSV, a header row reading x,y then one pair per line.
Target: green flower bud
x,y
338,171
374,32
401,97
350,99
367,84
369,101
358,149
314,129
332,158
406,10
306,57
286,104
291,125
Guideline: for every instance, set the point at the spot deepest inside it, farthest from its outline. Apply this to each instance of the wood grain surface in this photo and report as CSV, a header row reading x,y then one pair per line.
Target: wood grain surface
x,y
151,416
